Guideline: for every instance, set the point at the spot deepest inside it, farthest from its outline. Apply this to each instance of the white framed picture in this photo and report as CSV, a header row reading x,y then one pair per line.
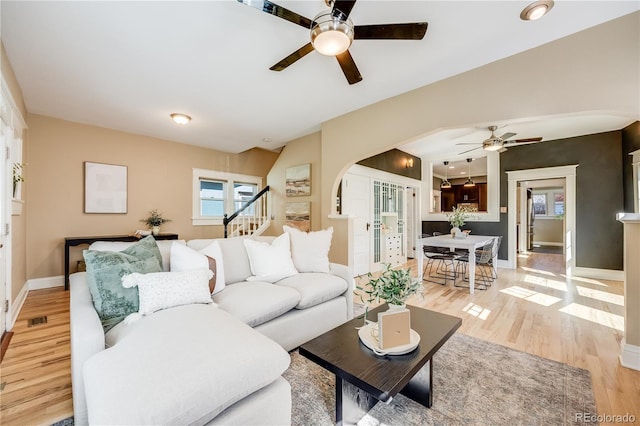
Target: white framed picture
x,y
105,188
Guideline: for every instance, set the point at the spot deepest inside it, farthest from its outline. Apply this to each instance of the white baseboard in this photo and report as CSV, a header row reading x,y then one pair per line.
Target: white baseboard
x,y
16,306
630,356
598,274
46,282
504,264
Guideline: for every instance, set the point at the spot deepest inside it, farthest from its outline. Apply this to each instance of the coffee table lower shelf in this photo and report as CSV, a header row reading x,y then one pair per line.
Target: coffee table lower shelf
x,y
364,378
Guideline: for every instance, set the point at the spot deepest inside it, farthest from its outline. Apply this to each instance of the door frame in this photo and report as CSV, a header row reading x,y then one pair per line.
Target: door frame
x,y
569,174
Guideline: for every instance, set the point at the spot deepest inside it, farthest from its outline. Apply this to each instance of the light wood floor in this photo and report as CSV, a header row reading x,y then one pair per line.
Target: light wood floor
x,y
534,309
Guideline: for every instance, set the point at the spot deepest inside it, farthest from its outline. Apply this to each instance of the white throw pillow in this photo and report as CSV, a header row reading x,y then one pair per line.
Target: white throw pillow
x,y
270,262
184,258
162,290
310,250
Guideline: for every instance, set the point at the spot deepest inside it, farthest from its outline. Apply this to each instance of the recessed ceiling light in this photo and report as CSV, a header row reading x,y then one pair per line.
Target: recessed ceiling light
x,y
179,118
536,10
266,140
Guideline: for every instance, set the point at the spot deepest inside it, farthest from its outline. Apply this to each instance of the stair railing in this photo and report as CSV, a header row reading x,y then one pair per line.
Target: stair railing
x,y
252,222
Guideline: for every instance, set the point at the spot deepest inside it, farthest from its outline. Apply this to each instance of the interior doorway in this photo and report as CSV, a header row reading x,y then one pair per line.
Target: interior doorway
x,y
515,235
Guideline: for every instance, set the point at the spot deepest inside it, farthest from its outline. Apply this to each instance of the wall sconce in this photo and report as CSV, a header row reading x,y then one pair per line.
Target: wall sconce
x,y
409,163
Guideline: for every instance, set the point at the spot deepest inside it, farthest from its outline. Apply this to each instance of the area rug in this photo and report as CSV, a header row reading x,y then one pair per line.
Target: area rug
x,y
475,383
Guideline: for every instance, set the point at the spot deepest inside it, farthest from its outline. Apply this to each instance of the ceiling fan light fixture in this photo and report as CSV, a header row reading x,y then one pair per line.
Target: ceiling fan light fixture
x,y
492,145
331,35
536,10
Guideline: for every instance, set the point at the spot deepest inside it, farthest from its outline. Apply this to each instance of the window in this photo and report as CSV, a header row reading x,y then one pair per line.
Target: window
x,y
218,193
540,204
548,203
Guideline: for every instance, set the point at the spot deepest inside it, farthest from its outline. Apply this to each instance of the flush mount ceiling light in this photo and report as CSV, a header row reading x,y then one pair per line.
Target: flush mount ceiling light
x,y
445,183
536,10
331,35
469,182
181,119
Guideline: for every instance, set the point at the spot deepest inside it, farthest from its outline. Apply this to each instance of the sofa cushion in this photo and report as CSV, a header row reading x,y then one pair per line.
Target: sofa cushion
x,y
234,257
314,287
185,258
162,290
163,245
270,262
193,381
256,302
310,250
105,270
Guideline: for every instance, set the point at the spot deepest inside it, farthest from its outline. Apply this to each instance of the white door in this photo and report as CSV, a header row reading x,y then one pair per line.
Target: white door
x,y
5,203
356,202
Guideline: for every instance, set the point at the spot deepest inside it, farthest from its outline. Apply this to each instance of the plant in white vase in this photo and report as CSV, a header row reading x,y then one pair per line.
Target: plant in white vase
x,y
458,217
154,221
394,286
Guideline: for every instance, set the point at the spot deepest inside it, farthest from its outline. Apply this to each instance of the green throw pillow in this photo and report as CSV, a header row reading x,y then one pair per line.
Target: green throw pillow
x,y
105,270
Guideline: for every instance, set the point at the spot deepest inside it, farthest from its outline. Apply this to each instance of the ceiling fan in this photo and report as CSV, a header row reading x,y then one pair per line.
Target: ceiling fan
x,y
500,143
332,33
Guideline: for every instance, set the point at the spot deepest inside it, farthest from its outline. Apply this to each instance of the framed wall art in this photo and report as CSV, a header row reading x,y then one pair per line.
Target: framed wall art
x,y
298,180
298,215
105,188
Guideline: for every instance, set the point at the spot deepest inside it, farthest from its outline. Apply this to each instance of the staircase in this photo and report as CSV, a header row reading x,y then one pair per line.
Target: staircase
x,y
250,219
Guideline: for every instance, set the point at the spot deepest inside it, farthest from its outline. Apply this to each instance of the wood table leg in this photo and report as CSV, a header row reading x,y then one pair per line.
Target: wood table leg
x,y
420,387
352,403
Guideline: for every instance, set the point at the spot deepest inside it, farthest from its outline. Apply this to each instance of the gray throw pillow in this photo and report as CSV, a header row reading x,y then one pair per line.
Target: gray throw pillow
x,y
105,270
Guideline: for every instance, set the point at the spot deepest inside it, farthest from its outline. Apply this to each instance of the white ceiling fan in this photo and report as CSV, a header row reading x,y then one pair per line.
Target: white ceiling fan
x,y
500,143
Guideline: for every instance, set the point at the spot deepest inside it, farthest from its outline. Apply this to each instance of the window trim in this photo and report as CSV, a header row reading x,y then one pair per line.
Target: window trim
x,y
550,198
228,179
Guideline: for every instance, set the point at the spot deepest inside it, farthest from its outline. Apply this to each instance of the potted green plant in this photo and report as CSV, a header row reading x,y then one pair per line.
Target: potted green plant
x,y
17,177
154,221
394,286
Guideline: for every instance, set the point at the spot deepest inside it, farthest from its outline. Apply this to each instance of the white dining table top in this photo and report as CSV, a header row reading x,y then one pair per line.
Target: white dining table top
x,y
446,240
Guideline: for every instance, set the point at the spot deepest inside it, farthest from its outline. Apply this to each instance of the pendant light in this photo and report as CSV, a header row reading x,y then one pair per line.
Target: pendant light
x,y
445,183
469,182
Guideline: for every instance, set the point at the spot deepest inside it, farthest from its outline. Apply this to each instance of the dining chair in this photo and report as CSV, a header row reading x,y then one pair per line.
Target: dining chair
x,y
496,248
483,256
443,261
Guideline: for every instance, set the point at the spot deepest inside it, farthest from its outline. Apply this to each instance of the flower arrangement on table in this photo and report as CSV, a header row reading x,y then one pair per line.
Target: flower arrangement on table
x,y
458,217
154,221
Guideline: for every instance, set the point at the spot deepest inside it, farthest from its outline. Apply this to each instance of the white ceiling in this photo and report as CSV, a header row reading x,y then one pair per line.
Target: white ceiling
x,y
127,65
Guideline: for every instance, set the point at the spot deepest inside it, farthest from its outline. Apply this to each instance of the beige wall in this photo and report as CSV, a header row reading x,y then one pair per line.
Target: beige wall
x,y
299,151
548,230
18,222
159,177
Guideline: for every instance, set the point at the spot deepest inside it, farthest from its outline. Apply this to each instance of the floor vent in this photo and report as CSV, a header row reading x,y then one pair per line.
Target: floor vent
x,y
37,321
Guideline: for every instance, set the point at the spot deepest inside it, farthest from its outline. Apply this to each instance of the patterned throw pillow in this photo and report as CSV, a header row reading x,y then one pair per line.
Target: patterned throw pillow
x,y
105,270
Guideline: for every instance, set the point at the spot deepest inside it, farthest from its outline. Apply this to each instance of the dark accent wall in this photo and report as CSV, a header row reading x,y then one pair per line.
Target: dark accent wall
x,y
599,194
395,161
630,143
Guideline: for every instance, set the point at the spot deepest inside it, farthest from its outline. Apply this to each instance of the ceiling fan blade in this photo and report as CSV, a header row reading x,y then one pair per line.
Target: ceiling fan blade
x,y
298,54
468,143
349,67
469,150
344,6
279,11
538,139
413,31
507,136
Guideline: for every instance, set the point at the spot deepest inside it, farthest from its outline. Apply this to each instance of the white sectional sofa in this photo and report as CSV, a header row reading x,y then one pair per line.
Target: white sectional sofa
x,y
198,363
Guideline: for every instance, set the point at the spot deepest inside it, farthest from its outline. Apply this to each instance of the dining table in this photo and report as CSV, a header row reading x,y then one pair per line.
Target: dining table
x,y
469,243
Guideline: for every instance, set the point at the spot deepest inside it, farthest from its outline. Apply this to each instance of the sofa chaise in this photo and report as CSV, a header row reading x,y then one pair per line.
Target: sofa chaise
x,y
208,363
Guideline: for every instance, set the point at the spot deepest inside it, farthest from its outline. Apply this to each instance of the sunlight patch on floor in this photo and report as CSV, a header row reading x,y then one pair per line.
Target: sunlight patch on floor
x,y
544,282
586,280
537,271
530,295
603,296
595,315
477,311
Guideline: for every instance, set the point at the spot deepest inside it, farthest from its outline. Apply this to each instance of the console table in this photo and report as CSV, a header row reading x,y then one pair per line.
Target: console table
x,y
76,241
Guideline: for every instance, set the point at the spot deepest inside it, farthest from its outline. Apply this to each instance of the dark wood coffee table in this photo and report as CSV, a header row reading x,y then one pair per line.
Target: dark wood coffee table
x,y
363,378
